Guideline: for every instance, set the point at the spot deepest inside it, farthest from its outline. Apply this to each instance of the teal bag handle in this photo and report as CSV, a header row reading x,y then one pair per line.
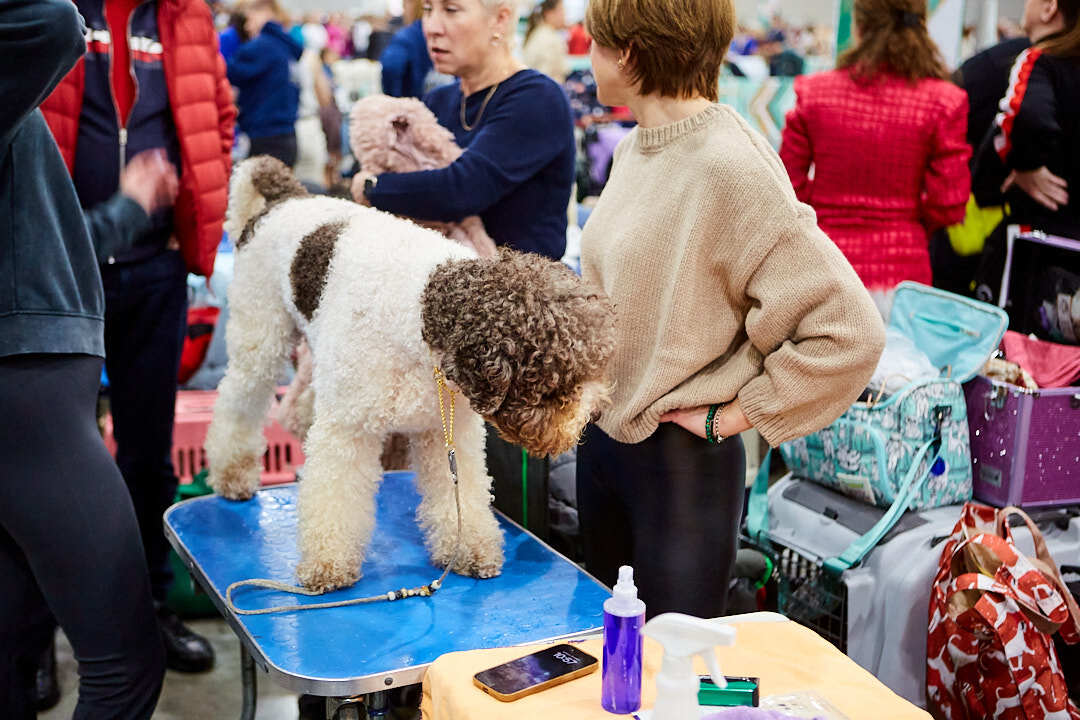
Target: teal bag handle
x,y
909,490
757,511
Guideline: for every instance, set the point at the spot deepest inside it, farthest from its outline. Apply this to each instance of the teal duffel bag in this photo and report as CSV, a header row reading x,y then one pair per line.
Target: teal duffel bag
x,y
909,450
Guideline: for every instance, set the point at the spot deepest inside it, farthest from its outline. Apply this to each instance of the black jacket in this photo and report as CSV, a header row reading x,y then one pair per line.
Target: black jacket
x,y
985,78
1038,124
51,299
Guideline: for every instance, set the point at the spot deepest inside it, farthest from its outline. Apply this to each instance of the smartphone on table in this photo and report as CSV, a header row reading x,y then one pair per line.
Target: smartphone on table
x,y
530,674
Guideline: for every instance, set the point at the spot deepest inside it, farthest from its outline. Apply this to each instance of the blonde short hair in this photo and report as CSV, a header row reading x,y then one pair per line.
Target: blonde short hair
x,y
676,47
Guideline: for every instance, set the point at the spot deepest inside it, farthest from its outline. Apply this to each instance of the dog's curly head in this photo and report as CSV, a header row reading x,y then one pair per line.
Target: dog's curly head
x,y
390,134
527,342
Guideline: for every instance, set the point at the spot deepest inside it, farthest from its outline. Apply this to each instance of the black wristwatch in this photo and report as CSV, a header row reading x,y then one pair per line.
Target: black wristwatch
x,y
369,184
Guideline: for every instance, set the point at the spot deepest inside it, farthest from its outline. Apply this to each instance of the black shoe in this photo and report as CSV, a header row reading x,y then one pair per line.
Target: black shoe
x,y
185,651
48,687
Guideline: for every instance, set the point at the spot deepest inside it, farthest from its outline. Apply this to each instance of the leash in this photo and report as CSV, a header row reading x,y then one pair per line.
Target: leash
x,y
421,591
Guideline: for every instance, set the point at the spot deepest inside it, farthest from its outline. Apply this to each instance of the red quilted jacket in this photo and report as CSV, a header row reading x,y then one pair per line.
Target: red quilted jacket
x,y
890,166
203,113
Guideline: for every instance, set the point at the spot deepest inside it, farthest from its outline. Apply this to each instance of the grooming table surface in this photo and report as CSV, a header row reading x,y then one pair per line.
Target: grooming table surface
x,y
338,652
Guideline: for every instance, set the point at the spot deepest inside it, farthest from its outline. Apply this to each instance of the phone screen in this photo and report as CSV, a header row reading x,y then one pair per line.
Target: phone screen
x,y
536,669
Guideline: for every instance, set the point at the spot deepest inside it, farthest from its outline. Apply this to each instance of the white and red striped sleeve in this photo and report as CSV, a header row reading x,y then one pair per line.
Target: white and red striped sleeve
x,y
1028,129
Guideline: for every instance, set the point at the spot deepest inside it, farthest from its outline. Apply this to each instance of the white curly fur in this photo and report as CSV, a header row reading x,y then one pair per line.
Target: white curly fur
x,y
373,376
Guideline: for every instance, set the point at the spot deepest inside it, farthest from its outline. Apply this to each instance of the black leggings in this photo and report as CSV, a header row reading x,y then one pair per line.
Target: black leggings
x,y
68,539
669,506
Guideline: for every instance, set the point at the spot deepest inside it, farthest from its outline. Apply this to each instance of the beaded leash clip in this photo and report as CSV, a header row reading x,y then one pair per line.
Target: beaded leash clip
x,y
421,591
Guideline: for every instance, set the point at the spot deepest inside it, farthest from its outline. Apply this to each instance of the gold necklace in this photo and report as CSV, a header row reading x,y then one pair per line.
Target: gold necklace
x,y
483,107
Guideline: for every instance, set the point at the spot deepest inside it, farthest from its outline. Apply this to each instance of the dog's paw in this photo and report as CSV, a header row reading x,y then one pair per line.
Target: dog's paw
x,y
475,562
325,576
237,480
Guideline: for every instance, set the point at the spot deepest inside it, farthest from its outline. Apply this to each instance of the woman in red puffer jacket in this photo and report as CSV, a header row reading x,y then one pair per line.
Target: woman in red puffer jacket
x,y
877,147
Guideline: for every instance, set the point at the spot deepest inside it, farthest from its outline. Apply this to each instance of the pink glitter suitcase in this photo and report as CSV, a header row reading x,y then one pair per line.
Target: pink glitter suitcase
x,y
1025,445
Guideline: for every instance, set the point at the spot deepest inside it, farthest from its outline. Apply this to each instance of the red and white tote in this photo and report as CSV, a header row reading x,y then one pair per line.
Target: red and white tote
x,y
989,651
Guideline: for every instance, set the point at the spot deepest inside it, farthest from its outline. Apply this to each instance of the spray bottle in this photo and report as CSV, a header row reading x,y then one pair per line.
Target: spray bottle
x,y
624,614
683,637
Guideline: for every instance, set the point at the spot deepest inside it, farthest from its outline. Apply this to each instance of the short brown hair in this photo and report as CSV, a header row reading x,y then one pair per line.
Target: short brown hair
x,y
893,37
676,46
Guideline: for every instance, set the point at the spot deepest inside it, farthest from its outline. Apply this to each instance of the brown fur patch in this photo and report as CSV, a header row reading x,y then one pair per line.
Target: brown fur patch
x,y
521,336
311,264
249,226
274,180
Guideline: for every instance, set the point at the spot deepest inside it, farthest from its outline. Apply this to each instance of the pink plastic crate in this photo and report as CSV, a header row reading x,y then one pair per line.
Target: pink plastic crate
x,y
194,410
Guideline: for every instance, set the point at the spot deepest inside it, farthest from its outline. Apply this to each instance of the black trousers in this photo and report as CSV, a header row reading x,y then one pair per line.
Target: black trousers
x,y
145,321
282,147
669,506
69,543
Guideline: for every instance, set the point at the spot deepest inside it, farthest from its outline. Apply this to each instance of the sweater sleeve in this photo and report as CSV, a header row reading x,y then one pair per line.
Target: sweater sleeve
x,y
46,37
511,146
816,328
948,176
796,151
249,61
395,68
1029,134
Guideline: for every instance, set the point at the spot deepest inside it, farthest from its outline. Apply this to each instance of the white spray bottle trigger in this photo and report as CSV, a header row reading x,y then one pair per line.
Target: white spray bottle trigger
x,y
683,637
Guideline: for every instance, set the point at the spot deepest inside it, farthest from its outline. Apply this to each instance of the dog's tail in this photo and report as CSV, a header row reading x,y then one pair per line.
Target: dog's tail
x,y
256,183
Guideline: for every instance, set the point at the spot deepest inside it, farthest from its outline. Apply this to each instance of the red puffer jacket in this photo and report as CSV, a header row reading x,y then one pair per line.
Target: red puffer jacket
x,y
203,112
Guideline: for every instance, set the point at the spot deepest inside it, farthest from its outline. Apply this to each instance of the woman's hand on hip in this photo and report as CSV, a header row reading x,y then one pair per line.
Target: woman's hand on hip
x,y
730,420
1043,186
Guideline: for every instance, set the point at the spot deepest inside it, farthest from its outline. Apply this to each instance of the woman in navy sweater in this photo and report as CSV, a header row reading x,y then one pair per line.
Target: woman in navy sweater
x,y
515,124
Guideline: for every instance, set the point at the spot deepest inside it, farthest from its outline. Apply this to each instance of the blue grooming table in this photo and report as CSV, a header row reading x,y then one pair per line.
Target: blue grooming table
x,y
349,651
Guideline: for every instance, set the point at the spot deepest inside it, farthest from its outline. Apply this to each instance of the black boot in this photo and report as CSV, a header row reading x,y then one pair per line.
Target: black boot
x,y
185,651
48,687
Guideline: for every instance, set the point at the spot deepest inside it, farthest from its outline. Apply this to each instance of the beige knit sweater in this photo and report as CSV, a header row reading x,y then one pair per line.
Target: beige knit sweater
x,y
723,285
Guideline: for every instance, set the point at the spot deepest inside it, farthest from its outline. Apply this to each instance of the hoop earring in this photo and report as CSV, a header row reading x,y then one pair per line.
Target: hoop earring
x,y
496,38
621,63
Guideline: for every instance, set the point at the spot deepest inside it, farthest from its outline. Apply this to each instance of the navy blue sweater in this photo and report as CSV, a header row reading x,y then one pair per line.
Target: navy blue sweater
x,y
264,72
50,290
516,171
405,63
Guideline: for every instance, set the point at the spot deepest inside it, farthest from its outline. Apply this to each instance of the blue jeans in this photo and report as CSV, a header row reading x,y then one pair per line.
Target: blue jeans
x,y
145,322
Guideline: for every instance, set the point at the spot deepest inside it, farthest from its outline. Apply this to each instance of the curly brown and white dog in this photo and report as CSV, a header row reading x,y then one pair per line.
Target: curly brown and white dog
x,y
382,302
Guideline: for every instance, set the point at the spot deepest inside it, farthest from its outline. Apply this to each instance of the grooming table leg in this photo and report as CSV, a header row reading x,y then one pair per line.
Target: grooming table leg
x,y
247,674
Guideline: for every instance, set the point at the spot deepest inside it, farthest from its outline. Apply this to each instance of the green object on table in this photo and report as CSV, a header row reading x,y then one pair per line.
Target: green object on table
x,y
740,691
186,598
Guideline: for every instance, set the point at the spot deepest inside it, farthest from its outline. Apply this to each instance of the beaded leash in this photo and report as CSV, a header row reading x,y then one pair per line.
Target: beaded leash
x,y
421,591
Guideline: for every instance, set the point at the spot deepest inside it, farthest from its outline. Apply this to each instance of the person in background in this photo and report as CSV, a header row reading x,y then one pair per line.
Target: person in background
x,y
734,309
578,41
1036,134
152,92
311,154
235,35
885,136
516,172
69,538
264,72
783,61
545,47
955,251
405,61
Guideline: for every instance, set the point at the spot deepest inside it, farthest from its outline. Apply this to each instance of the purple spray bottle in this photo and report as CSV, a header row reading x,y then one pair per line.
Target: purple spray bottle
x,y
624,614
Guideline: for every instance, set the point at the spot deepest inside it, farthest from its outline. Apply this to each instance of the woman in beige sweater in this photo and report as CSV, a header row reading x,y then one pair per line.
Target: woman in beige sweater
x,y
734,309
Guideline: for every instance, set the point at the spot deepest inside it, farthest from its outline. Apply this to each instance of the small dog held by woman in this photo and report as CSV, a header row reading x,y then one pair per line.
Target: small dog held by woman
x,y
382,303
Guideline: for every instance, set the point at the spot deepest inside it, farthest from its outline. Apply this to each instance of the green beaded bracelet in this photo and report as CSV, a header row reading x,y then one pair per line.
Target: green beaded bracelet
x,y
708,422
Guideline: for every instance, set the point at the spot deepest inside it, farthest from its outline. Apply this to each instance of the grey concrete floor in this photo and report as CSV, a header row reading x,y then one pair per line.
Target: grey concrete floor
x,y
214,695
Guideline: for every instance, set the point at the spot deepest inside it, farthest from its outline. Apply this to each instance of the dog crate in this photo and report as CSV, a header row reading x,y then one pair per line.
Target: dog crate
x,y
194,410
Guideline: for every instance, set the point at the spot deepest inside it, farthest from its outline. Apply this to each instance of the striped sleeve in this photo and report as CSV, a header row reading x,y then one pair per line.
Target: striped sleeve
x,y
1027,127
